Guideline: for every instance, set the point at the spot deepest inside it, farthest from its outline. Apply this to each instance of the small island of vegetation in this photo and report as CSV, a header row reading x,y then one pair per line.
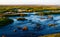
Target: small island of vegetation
x,y
5,21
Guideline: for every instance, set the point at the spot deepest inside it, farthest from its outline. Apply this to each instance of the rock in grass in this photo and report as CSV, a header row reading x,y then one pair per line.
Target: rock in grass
x,y
21,19
25,28
3,36
15,30
51,24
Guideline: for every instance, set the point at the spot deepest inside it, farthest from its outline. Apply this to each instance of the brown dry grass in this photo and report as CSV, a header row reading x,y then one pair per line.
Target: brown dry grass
x,y
51,35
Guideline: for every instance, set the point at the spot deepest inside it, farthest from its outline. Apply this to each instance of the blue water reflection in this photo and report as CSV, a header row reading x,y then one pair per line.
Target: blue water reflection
x,y
31,23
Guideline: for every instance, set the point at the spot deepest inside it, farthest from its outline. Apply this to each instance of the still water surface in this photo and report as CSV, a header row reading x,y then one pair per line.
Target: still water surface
x,y
31,32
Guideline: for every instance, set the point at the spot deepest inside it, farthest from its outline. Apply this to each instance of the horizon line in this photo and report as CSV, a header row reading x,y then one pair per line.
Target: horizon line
x,y
30,4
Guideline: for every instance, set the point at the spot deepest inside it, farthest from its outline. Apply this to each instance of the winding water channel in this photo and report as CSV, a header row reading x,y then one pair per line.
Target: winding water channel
x,y
31,24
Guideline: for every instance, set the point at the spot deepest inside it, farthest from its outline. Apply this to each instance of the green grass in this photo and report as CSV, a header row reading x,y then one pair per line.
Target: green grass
x,y
5,21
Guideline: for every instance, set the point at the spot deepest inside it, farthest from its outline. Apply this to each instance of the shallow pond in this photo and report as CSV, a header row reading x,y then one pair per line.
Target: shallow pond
x,y
31,22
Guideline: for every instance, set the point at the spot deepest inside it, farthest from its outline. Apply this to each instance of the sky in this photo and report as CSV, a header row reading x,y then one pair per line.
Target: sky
x,y
29,2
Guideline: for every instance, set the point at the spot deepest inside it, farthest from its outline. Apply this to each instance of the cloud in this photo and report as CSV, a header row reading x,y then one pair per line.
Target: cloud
x,y
37,2
50,2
